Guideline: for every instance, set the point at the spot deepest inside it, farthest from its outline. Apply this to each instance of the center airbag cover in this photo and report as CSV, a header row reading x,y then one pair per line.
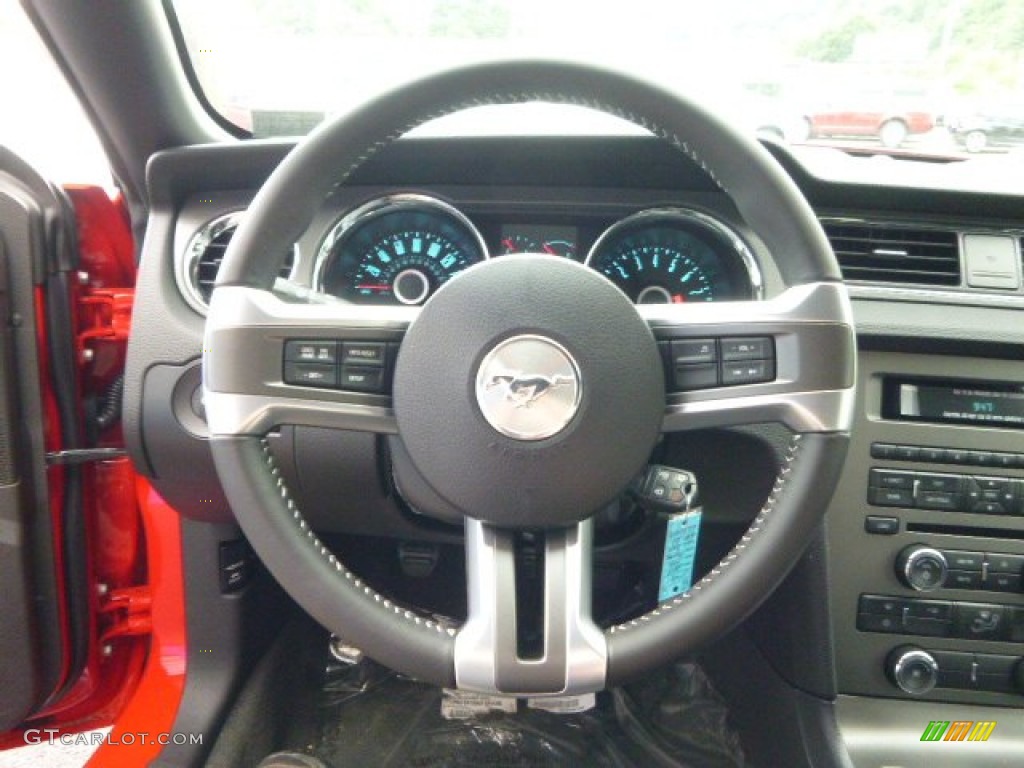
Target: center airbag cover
x,y
529,481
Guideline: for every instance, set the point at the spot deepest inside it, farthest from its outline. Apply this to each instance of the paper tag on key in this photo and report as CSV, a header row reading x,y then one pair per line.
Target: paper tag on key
x,y
682,533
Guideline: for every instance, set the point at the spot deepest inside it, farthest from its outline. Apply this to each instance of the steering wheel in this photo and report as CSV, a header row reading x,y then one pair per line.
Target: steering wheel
x,y
548,323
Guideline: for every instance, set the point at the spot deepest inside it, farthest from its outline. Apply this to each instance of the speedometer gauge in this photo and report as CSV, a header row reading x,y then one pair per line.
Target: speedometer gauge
x,y
396,250
676,256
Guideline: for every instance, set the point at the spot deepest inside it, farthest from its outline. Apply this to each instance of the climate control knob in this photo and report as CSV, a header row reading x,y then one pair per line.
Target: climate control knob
x,y
912,669
922,568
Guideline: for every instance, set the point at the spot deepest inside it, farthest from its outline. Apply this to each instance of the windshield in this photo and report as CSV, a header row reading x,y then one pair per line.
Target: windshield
x,y
913,76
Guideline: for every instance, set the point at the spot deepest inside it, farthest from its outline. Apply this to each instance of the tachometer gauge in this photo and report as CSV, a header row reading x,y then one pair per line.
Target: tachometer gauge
x,y
676,256
396,250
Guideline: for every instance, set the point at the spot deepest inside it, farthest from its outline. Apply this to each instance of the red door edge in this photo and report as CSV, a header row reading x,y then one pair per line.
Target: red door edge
x,y
144,726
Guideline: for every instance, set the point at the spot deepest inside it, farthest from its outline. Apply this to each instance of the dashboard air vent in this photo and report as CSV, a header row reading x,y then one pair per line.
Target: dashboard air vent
x,y
204,255
893,254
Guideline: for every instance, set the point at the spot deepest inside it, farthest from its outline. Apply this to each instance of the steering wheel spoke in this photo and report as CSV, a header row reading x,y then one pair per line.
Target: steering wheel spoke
x,y
573,655
729,364
278,362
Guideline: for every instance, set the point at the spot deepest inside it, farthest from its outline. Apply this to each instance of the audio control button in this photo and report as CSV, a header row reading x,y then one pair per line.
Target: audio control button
x,y
963,561
922,568
964,580
1002,582
998,563
947,502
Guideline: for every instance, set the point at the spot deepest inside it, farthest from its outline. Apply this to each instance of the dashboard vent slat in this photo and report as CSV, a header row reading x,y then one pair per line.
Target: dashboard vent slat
x,y
205,254
895,254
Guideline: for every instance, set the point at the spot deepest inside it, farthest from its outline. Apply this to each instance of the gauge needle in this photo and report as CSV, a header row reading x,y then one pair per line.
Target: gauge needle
x,y
373,287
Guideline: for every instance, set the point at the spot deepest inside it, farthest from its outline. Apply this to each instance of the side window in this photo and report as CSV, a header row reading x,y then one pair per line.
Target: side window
x,y
40,119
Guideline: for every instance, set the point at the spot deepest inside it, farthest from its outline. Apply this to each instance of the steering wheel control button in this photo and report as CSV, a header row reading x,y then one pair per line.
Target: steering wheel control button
x,y
363,353
693,351
913,670
752,348
922,568
360,378
322,352
528,387
748,372
690,377
311,374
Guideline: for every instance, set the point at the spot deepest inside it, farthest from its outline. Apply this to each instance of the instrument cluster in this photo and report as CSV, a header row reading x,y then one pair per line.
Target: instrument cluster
x,y
401,248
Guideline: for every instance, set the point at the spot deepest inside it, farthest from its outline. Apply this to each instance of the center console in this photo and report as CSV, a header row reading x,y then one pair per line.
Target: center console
x,y
926,533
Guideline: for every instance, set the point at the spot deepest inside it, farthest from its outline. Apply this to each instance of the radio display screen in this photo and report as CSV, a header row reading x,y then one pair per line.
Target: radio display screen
x,y
987,404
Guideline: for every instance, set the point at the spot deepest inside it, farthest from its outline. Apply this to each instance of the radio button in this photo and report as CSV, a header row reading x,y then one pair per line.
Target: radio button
x,y
891,497
1002,582
883,451
881,525
948,502
963,561
908,452
933,455
963,579
941,483
1004,563
956,456
886,478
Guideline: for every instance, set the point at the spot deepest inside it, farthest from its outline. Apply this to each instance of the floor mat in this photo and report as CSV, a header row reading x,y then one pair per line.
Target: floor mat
x,y
368,716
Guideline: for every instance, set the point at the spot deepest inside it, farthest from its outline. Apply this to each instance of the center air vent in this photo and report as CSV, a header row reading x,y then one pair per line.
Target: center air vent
x,y
892,254
203,257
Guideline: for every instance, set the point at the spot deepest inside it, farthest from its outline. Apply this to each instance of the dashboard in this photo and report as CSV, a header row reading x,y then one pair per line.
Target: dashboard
x,y
911,601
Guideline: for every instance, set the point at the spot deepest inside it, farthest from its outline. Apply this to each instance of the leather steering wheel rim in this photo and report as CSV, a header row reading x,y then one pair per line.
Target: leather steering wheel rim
x,y
767,200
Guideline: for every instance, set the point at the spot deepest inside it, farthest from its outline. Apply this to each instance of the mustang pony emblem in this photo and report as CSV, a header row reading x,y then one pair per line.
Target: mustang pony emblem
x,y
522,390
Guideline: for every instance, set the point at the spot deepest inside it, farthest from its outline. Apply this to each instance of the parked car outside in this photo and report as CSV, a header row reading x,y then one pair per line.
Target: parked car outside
x,y
890,126
1000,126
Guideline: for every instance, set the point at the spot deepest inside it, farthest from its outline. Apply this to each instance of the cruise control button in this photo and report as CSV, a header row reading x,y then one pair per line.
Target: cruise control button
x,y
323,352
310,374
362,353
361,379
751,348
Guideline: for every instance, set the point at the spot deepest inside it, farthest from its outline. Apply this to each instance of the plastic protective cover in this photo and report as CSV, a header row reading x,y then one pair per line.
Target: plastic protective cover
x,y
370,716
